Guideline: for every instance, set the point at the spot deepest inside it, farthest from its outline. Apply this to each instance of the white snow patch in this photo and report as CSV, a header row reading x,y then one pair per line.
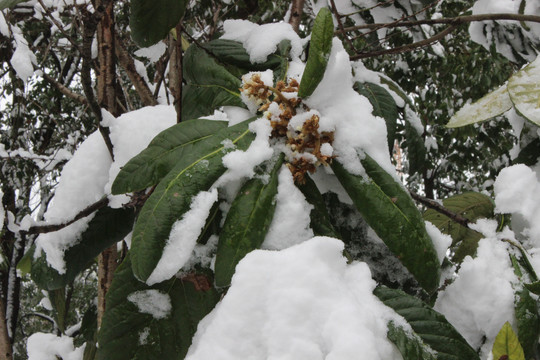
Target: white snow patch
x,y
152,302
291,222
152,53
23,59
441,241
261,40
41,346
183,237
481,299
301,303
81,184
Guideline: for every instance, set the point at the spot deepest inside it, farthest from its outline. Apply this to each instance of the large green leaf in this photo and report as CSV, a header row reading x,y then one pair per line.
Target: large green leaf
x,y
526,310
106,228
247,223
179,143
507,345
203,70
524,90
173,195
319,218
391,213
384,106
431,326
151,21
127,334
233,52
319,52
4,4
410,346
471,206
416,149
493,104
201,101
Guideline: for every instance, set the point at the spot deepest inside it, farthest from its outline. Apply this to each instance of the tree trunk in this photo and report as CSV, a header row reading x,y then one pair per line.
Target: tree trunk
x,y
175,71
297,8
106,267
5,344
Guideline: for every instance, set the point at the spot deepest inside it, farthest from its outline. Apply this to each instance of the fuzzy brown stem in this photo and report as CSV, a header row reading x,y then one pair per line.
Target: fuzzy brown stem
x,y
297,8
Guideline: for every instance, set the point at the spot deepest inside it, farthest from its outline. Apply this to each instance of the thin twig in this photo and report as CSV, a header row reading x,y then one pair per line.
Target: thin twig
x,y
340,25
41,229
65,90
408,47
432,204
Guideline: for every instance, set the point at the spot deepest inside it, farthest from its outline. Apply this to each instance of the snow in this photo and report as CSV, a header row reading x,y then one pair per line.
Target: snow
x,y
291,222
152,302
41,346
441,241
183,237
242,163
481,299
301,303
23,59
81,184
349,113
261,40
152,53
517,190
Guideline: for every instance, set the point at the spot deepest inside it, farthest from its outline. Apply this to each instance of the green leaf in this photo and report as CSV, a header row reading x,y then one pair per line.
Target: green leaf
x,y
507,346
471,206
390,212
247,223
528,322
383,105
319,52
233,53
320,219
202,70
173,195
127,334
534,287
151,21
431,326
416,149
493,104
201,101
4,4
179,143
106,228
525,92
410,346
284,48
529,154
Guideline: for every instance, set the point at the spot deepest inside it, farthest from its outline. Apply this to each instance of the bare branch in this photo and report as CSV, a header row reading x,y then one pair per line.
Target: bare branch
x,y
432,204
408,47
41,229
453,21
297,8
65,90
340,25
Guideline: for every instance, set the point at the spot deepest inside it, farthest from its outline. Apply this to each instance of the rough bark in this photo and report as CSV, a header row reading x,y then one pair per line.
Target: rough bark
x,y
175,72
107,266
297,8
5,345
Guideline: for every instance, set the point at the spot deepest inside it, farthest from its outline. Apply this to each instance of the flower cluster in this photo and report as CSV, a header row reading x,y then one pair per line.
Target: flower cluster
x,y
292,120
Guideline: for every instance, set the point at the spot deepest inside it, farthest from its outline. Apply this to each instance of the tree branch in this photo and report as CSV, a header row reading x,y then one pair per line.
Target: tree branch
x,y
432,204
297,8
127,63
408,47
41,229
458,20
65,90
340,25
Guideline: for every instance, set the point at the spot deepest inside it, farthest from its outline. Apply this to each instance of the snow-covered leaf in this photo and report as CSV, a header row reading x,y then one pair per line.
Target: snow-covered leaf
x,y
507,345
247,223
390,211
151,21
410,346
128,333
319,52
320,219
233,53
493,104
173,196
431,326
524,90
179,143
106,228
471,206
383,105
